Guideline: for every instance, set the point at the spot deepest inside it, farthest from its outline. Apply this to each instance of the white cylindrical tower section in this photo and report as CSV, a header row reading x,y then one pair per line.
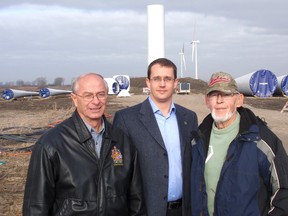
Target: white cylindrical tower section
x,y
155,14
244,85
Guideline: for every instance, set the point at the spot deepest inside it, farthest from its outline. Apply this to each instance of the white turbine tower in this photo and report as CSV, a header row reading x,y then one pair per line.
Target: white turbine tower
x,y
156,32
182,61
194,56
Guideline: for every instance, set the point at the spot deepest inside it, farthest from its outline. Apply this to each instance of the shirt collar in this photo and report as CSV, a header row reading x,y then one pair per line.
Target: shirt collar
x,y
91,129
156,109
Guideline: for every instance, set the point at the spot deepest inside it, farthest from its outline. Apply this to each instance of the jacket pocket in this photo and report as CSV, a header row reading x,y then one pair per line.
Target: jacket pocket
x,y
72,207
117,205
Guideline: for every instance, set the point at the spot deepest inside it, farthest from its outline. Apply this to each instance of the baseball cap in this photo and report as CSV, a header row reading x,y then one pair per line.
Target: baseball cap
x,y
222,82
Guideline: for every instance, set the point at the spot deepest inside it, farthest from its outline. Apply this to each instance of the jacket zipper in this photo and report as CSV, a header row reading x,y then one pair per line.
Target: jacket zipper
x,y
106,146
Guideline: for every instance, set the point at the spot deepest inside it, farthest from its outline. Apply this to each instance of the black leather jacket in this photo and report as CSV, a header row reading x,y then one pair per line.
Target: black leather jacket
x,y
66,178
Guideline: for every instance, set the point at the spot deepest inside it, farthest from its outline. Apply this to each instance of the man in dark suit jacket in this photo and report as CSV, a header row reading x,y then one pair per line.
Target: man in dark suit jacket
x,y
161,131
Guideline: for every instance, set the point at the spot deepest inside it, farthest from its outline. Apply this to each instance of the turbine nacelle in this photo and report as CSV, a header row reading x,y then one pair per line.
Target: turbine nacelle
x,y
197,41
124,85
113,85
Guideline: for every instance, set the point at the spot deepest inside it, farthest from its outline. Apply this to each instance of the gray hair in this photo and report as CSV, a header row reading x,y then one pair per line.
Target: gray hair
x,y
74,86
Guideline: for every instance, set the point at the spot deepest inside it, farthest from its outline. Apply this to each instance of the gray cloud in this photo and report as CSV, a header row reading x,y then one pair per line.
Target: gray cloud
x,y
66,38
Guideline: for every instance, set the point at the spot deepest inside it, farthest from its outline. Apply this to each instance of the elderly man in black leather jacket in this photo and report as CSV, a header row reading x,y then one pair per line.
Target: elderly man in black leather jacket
x,y
83,166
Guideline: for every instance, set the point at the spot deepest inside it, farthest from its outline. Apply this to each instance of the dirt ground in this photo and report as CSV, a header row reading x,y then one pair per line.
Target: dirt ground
x,y
23,120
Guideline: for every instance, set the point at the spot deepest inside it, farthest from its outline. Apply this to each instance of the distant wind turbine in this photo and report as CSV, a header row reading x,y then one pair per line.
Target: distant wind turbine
x,y
182,61
194,56
194,43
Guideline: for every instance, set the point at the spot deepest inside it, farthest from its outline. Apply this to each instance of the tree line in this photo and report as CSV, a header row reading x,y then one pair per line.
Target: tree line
x,y
40,81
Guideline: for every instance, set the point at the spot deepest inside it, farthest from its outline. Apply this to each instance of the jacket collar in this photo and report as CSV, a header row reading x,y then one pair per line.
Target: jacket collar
x,y
247,119
83,132
148,119
248,126
81,129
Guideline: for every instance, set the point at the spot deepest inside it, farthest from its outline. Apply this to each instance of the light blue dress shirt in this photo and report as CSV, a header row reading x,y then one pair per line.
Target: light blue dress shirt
x,y
169,130
97,137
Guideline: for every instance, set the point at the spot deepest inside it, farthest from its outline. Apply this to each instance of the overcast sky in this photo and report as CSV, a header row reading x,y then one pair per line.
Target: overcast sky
x,y
65,38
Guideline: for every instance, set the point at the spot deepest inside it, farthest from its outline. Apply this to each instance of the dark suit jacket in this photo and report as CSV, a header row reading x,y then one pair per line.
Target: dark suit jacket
x,y
141,126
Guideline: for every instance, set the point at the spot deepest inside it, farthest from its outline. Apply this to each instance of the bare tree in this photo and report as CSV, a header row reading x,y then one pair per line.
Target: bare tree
x,y
19,82
40,81
59,81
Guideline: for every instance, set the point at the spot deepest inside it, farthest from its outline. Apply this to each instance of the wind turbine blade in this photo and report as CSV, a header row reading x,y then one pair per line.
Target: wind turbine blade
x,y
184,62
194,31
193,50
183,57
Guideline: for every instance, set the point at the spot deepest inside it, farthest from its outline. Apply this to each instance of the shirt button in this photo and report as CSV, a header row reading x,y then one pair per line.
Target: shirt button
x,y
166,176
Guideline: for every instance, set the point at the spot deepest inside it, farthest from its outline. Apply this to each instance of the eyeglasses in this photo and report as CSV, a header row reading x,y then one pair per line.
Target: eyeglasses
x,y
215,95
89,96
159,79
